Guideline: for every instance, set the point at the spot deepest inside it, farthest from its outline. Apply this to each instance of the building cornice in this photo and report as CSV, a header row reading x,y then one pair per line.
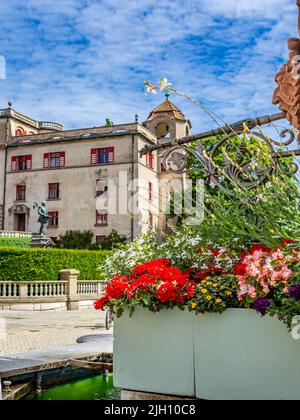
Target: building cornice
x,y
64,138
40,125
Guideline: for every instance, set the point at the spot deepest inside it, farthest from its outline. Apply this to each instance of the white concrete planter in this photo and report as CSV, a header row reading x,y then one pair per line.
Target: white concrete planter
x,y
236,355
154,352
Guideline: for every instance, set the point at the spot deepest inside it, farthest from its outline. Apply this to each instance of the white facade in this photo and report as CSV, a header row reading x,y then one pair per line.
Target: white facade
x,y
67,168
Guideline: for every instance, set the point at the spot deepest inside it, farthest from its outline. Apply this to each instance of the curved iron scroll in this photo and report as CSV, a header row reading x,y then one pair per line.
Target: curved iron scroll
x,y
239,165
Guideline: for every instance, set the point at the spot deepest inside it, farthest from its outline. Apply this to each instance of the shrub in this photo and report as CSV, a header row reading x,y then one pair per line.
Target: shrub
x,y
45,264
75,239
113,240
18,242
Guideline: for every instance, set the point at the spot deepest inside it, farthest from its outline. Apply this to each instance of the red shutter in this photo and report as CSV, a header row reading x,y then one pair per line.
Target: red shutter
x,y
28,162
24,133
62,159
46,160
14,163
111,154
152,160
94,154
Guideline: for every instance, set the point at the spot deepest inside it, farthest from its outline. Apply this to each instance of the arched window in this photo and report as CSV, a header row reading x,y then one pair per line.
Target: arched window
x,y
162,130
20,132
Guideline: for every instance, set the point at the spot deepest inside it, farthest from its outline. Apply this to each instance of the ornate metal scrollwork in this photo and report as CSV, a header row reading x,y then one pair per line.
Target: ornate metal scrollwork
x,y
291,137
231,163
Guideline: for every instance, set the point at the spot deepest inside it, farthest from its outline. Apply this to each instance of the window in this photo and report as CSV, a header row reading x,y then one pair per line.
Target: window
x,y
100,239
53,191
150,160
21,163
162,130
101,218
150,191
53,219
103,155
21,193
101,188
150,220
20,132
54,160
162,168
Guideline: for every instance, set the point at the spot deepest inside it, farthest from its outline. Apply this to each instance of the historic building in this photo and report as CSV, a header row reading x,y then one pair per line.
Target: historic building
x,y
77,171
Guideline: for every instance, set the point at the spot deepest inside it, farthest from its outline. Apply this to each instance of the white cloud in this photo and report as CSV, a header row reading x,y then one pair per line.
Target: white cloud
x,y
79,62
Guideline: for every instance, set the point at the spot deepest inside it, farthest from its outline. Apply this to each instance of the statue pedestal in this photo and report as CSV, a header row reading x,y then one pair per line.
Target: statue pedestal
x,y
41,241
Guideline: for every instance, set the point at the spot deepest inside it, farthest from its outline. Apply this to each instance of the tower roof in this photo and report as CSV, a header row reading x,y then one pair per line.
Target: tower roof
x,y
167,108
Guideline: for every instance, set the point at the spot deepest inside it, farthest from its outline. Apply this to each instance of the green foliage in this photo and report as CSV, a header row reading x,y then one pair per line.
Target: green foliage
x,y
109,122
266,214
18,242
45,264
112,241
75,239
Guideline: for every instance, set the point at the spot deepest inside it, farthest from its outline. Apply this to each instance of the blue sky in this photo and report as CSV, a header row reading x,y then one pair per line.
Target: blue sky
x,y
81,61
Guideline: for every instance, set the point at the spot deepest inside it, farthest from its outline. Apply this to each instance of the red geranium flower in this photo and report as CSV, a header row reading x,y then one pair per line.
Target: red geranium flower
x,y
215,252
99,304
240,270
286,242
261,248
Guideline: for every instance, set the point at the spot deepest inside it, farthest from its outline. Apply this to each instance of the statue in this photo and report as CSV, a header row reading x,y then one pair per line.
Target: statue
x,y
43,216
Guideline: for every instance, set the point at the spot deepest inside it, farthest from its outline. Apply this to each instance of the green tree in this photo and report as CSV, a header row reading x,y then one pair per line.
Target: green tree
x,y
109,122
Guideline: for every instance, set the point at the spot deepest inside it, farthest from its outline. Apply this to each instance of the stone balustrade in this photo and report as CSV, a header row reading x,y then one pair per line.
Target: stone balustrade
x,y
14,234
67,293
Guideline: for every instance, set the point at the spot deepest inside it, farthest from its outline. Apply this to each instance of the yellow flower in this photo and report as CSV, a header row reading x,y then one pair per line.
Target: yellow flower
x,y
215,285
218,301
204,291
208,283
228,293
222,287
193,305
208,297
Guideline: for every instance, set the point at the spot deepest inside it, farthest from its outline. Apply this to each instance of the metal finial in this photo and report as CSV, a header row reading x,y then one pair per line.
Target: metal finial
x,y
136,118
167,96
10,104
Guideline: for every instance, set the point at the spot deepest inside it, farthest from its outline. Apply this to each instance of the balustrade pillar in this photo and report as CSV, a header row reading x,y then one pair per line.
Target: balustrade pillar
x,y
23,288
71,276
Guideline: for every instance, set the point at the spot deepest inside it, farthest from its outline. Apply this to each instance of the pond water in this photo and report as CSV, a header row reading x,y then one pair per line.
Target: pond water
x,y
93,388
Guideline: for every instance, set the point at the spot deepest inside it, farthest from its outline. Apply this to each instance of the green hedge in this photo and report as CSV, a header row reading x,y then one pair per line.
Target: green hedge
x,y
45,264
19,242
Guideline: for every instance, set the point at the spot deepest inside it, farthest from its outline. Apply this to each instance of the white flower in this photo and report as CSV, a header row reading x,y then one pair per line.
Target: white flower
x,y
164,84
262,198
212,184
150,88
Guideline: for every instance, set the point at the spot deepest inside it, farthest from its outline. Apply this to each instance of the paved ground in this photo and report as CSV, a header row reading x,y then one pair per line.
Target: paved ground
x,y
31,331
40,360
